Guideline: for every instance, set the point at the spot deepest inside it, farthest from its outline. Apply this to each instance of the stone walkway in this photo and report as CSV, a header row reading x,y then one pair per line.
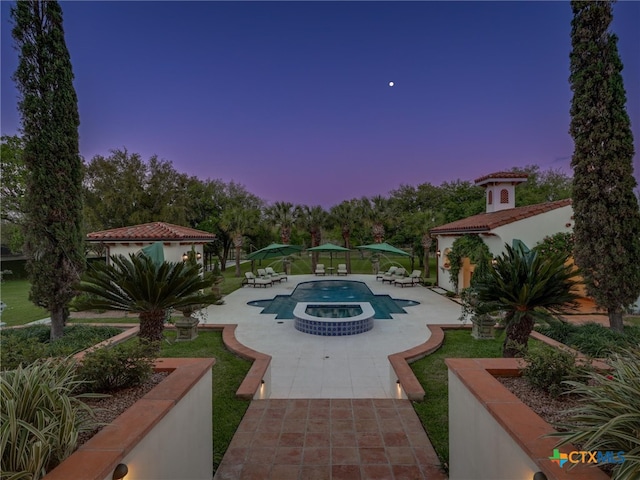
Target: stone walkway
x,y
332,439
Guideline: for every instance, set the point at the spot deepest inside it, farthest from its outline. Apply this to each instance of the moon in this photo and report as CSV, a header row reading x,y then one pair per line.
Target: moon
x,y
391,84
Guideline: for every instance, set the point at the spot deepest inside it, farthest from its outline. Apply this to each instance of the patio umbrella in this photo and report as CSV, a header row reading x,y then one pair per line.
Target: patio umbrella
x,y
274,250
328,247
155,251
384,248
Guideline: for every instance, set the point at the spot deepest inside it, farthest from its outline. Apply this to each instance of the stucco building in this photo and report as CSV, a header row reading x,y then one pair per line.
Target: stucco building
x,y
176,240
502,222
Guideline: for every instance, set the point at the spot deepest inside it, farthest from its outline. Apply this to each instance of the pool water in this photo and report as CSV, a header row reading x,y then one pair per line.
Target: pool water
x,y
332,291
334,311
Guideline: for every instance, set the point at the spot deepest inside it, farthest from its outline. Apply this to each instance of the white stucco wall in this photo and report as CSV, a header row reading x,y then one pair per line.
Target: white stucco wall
x,y
181,444
444,243
479,448
530,230
173,251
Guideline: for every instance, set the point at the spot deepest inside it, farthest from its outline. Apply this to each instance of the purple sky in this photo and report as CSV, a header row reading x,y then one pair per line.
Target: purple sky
x,y
292,99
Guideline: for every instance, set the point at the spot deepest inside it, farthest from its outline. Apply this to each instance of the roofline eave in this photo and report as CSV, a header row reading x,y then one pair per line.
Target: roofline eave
x,y
138,240
462,231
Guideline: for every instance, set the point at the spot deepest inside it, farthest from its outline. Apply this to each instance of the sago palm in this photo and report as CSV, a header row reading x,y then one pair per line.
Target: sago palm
x,y
136,284
525,286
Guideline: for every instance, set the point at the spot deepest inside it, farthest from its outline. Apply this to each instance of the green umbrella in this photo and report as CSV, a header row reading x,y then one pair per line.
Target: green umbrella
x,y
274,250
384,248
155,251
328,247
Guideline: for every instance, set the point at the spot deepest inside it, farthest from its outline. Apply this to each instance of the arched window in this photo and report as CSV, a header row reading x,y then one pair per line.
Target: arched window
x,y
504,196
490,198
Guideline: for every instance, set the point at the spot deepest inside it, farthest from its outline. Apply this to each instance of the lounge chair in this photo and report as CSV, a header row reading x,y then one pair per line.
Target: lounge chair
x,y
251,279
342,269
273,275
411,280
389,272
320,269
398,273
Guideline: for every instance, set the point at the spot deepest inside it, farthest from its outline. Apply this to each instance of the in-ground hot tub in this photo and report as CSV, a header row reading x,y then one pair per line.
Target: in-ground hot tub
x,y
333,318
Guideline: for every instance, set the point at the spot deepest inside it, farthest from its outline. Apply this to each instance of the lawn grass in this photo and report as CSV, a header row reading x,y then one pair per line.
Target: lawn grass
x,y
228,372
19,310
432,373
632,320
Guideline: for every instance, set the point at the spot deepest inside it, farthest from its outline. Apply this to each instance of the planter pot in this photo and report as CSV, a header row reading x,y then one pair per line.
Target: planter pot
x,y
482,327
187,328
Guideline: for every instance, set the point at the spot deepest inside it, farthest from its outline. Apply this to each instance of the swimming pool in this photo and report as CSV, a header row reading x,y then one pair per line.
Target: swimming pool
x,y
332,291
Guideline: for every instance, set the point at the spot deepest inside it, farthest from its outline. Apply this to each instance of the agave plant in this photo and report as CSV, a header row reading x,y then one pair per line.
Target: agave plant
x,y
136,284
526,287
608,418
40,418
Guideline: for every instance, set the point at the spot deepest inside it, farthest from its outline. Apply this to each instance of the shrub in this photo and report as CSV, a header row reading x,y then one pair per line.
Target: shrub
x,y
41,417
22,346
547,368
559,331
124,365
608,418
561,242
592,339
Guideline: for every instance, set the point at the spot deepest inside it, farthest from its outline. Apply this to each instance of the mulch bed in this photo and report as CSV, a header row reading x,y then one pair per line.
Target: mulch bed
x,y
107,409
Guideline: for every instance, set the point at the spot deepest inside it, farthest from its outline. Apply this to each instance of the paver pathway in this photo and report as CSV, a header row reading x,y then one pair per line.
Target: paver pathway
x,y
332,439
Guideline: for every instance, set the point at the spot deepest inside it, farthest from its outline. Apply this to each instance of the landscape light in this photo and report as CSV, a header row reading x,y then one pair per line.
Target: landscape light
x,y
120,471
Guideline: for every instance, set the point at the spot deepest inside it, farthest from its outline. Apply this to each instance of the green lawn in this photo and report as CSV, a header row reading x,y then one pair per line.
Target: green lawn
x,y
632,320
19,310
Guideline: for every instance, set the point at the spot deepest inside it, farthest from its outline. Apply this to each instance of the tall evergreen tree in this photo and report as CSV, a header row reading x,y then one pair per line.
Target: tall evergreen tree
x,y
53,200
607,217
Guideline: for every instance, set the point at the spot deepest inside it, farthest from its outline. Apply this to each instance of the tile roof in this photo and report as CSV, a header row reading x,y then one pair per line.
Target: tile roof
x,y
502,175
485,222
156,231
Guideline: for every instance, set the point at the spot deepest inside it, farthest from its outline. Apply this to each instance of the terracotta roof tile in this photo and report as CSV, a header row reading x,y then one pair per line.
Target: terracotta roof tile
x,y
499,175
485,222
156,231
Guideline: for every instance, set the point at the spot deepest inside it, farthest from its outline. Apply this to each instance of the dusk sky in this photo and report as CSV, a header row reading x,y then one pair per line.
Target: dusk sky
x,y
292,99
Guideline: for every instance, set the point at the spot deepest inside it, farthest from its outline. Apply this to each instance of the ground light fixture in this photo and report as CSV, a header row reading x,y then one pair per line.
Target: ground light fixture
x,y
120,471
539,476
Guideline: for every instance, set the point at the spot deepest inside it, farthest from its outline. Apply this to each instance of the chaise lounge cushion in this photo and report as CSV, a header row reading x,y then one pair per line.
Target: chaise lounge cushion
x,y
389,272
399,273
273,275
411,280
254,281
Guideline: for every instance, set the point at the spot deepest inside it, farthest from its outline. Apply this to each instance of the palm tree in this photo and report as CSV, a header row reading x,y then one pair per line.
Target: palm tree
x,y
282,215
238,221
136,284
526,287
312,219
380,214
345,215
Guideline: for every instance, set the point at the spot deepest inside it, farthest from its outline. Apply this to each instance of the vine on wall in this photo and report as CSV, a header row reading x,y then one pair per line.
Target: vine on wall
x,y
469,245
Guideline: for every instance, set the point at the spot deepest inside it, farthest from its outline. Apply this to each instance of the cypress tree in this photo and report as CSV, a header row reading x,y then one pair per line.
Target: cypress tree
x,y
606,212
53,202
